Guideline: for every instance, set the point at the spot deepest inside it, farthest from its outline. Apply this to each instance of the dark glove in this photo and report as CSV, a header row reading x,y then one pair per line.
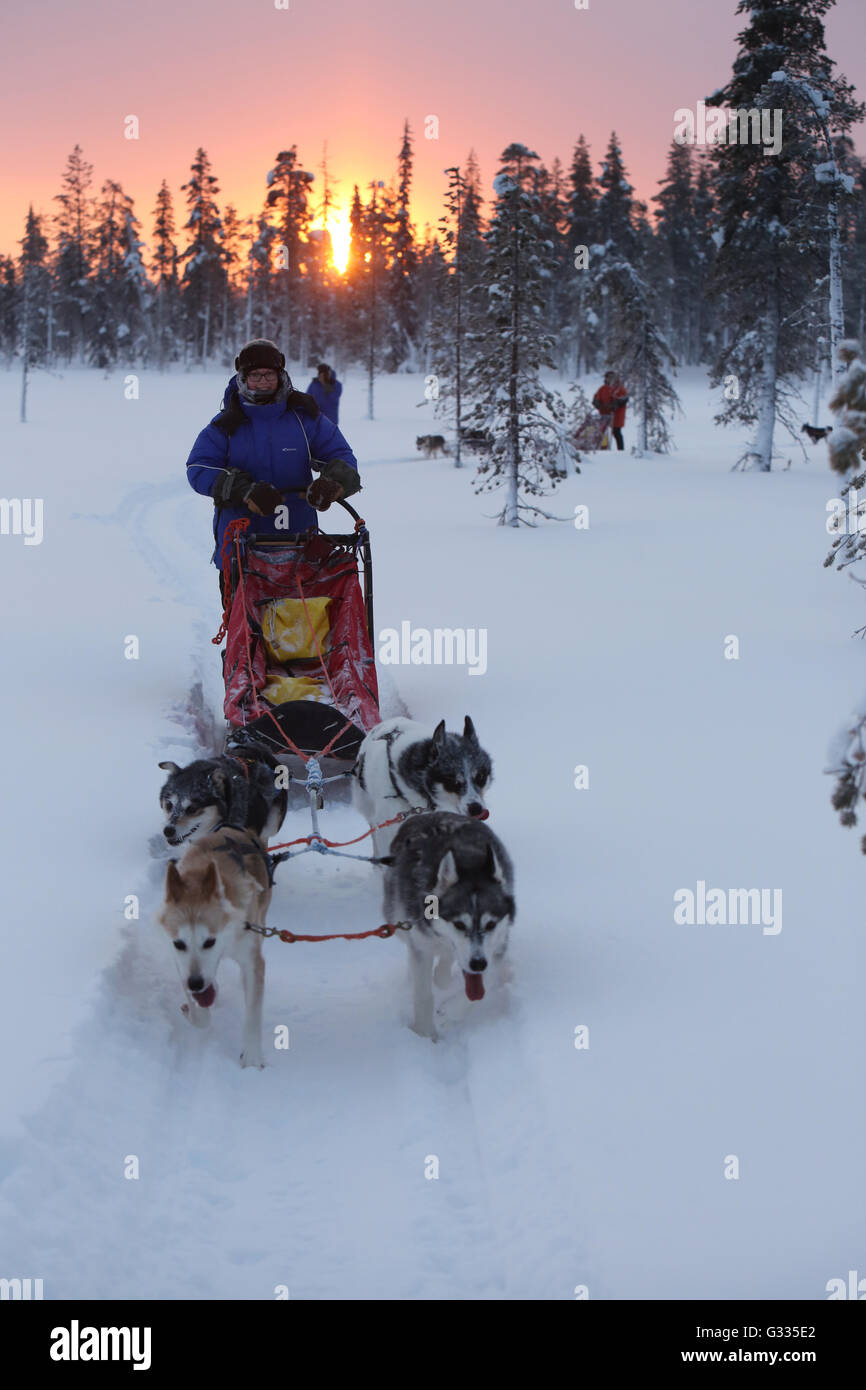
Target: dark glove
x,y
322,492
263,498
231,486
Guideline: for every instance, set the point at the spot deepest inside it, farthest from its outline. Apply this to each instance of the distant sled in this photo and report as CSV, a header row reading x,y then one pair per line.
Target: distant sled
x,y
593,433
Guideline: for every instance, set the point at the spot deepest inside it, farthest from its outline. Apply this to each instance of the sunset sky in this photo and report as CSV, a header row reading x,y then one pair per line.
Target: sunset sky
x,y
246,79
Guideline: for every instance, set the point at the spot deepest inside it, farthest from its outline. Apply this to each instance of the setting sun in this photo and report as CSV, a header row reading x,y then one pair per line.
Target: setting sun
x,y
339,229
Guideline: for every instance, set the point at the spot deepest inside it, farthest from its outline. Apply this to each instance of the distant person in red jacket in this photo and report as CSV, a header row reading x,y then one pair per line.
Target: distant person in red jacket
x,y
610,399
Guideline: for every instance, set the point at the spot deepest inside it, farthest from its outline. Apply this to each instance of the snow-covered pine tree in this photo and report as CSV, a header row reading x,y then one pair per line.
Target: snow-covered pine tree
x,y
163,268
402,334
433,296
73,255
551,190
261,319
703,335
119,322
639,350
372,299
847,454
9,304
581,332
822,109
451,296
854,253
509,348
615,223
204,275
350,304
773,244
34,280
446,329
679,253
288,195
234,245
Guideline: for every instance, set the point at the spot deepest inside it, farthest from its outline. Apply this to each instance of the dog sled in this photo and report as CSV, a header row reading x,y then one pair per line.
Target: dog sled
x,y
298,666
593,433
299,670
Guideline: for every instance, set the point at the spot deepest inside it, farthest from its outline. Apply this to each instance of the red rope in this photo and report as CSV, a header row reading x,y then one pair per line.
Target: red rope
x,y
232,532
337,844
387,929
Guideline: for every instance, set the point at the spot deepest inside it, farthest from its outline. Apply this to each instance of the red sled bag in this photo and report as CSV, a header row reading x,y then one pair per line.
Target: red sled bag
x,y
299,653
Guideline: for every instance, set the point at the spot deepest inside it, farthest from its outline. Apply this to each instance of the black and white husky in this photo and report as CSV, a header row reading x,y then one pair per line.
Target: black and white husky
x,y
452,879
402,766
237,789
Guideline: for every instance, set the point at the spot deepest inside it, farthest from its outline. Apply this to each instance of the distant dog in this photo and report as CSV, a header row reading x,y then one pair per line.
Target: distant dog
x,y
817,432
452,879
223,884
237,790
402,765
430,445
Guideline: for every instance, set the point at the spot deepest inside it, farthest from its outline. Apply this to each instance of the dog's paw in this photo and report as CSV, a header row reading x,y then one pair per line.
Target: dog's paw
x,y
429,1034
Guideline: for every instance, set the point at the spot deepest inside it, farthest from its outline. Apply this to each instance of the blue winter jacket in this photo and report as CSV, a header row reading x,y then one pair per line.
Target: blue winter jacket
x,y
273,443
327,401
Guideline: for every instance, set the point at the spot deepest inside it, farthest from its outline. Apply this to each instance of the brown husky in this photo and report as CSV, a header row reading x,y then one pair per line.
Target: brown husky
x,y
222,886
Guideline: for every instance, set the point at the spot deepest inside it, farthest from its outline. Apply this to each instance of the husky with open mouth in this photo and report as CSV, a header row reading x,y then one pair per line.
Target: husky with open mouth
x,y
453,880
237,789
221,888
403,765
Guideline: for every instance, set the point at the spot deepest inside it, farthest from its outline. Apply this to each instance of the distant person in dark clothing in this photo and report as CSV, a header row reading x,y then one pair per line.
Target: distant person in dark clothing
x,y
326,391
610,401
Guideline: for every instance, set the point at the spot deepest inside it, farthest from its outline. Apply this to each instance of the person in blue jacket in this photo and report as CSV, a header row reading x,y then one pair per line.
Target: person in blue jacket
x,y
262,448
326,391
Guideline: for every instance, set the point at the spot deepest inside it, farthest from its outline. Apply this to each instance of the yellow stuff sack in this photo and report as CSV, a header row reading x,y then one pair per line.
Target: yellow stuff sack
x,y
280,689
286,627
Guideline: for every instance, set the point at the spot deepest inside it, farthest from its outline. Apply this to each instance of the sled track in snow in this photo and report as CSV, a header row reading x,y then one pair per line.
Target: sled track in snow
x,y
311,1174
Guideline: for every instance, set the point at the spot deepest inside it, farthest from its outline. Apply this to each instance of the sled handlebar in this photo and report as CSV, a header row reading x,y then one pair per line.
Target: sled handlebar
x,y
302,492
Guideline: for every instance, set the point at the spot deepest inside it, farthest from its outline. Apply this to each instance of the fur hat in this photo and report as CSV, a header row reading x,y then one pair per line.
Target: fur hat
x,y
261,352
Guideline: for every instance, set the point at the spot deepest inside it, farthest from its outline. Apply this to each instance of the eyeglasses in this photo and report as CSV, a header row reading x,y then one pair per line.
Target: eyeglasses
x,y
266,374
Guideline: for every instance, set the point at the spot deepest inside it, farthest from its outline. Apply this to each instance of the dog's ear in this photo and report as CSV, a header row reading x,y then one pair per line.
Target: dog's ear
x,y
211,887
447,876
220,782
438,738
169,767
173,883
494,868
469,730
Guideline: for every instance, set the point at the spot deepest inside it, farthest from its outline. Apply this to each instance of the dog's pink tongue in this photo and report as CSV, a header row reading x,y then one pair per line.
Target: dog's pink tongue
x,y
206,997
481,815
474,985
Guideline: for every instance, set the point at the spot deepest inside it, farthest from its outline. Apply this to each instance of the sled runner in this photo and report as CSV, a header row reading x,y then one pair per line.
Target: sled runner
x,y
593,433
299,669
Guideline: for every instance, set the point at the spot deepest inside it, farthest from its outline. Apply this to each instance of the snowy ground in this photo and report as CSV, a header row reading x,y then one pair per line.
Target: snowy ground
x,y
558,1167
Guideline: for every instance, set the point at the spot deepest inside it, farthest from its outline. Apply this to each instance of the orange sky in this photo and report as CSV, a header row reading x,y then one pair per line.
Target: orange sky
x,y
246,79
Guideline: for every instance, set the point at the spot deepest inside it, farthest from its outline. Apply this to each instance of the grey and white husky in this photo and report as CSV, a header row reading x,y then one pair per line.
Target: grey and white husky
x,y
452,879
237,789
402,765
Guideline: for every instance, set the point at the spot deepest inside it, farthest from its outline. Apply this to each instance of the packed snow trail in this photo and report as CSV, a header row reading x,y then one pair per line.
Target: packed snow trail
x,y
557,1167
